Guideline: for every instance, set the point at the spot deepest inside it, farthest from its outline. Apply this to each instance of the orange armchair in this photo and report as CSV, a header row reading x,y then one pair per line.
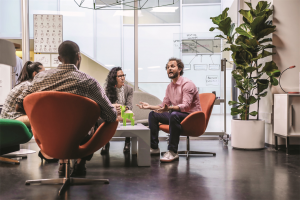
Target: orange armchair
x,y
59,122
195,124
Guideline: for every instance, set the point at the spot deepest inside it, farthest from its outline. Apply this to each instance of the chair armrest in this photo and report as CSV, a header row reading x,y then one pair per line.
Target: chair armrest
x,y
194,124
102,135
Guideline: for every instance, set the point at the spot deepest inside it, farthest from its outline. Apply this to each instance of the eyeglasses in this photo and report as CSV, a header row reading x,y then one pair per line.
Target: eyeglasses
x,y
122,76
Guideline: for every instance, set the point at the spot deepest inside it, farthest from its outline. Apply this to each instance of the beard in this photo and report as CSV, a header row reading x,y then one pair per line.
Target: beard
x,y
175,75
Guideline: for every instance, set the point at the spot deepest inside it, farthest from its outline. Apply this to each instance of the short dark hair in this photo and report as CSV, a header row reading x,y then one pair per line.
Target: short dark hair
x,y
68,50
179,64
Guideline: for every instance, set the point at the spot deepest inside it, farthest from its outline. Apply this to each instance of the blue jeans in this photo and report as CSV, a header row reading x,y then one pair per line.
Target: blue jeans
x,y
173,119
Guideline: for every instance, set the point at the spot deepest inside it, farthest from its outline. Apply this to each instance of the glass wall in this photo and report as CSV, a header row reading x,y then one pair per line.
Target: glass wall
x,y
10,19
179,30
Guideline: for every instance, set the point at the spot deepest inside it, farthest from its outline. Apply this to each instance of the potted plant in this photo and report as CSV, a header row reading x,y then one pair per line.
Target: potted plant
x,y
248,44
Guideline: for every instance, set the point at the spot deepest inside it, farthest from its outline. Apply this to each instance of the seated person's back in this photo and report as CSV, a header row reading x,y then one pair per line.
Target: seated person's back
x,y
67,78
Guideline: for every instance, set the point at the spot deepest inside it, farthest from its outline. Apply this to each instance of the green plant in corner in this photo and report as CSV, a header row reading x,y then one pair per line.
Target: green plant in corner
x,y
247,48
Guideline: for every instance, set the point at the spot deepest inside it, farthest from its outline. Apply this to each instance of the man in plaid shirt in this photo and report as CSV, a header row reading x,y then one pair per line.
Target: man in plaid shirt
x,y
67,78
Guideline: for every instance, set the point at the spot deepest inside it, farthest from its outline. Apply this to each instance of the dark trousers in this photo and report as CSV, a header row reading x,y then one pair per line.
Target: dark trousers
x,y
173,119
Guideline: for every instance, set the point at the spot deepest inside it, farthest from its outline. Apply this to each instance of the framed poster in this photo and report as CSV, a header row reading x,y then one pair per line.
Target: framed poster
x,y
200,66
43,58
54,60
47,33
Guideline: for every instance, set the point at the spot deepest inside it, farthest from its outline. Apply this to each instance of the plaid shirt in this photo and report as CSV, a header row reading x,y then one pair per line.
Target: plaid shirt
x,y
9,107
67,78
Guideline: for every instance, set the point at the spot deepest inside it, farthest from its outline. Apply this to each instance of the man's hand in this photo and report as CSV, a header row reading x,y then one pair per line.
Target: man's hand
x,y
144,105
164,109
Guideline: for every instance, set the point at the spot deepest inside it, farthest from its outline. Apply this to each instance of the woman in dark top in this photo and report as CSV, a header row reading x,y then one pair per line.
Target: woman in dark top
x,y
119,94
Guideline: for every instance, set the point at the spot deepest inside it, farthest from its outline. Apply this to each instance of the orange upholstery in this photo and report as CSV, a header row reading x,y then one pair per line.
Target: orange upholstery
x,y
61,120
195,124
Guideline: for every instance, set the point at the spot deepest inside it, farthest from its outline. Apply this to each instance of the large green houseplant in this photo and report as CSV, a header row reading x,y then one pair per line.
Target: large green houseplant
x,y
248,44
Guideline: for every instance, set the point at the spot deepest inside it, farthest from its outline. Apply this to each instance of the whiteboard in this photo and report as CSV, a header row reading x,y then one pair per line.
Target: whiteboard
x,y
5,82
47,33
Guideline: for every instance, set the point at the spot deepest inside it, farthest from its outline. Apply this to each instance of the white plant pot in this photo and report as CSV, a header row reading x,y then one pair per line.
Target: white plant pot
x,y
248,134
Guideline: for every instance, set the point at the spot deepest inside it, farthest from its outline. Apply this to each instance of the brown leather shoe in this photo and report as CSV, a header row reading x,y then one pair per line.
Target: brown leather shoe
x,y
79,169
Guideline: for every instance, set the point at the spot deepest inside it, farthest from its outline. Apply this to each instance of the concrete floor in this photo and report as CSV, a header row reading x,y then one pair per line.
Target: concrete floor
x,y
232,174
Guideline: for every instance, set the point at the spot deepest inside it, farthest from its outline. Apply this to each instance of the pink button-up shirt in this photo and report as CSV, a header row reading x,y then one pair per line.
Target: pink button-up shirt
x,y
183,94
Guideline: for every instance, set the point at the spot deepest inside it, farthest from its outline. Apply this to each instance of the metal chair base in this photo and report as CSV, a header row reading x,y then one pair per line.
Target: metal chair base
x,y
67,181
8,160
188,152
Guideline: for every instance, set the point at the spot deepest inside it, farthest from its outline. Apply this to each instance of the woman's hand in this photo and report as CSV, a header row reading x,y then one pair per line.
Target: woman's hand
x,y
144,105
117,107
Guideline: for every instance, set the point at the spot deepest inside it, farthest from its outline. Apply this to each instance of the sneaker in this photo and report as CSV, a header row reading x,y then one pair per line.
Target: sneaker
x,y
154,151
169,157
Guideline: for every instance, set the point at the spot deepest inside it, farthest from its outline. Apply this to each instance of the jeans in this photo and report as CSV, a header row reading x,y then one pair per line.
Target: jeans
x,y
173,119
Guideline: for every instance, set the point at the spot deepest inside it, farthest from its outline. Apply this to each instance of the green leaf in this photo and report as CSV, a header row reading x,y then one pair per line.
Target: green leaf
x,y
227,49
237,77
263,94
212,29
235,111
265,32
220,36
247,14
252,100
270,67
257,77
262,84
243,32
225,25
250,69
233,103
274,81
259,66
265,54
256,58
268,46
276,73
262,5
249,5
253,113
265,40
257,25
242,99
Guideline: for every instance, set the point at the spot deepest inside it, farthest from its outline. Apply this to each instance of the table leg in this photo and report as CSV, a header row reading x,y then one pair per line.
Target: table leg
x,y
287,144
143,153
134,145
276,143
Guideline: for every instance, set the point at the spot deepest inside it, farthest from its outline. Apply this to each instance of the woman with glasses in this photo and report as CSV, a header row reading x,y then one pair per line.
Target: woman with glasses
x,y
119,94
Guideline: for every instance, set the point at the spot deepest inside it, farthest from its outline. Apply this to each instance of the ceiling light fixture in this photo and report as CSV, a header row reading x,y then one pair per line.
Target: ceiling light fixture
x,y
126,4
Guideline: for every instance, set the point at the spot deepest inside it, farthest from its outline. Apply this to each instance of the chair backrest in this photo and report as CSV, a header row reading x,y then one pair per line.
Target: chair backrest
x,y
138,96
207,101
60,121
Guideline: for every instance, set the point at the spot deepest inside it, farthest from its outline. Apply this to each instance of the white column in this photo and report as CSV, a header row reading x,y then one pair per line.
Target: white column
x,y
136,87
25,30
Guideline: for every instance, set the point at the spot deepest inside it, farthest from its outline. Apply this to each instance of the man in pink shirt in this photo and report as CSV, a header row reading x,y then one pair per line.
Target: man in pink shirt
x,y
181,99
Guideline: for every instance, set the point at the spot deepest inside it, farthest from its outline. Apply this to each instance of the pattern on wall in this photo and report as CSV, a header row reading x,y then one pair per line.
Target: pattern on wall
x,y
48,33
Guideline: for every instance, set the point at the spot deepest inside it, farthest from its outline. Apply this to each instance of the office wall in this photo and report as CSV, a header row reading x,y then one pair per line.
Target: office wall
x,y
286,39
93,69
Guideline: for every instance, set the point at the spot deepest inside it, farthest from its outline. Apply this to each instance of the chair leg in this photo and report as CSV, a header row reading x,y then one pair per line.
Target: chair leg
x,y
188,152
8,160
67,181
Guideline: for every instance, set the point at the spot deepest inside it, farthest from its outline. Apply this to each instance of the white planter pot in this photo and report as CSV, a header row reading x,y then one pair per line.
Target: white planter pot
x,y
248,134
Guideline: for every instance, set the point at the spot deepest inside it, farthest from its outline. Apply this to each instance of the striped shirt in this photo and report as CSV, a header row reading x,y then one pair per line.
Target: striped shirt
x,y
67,78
